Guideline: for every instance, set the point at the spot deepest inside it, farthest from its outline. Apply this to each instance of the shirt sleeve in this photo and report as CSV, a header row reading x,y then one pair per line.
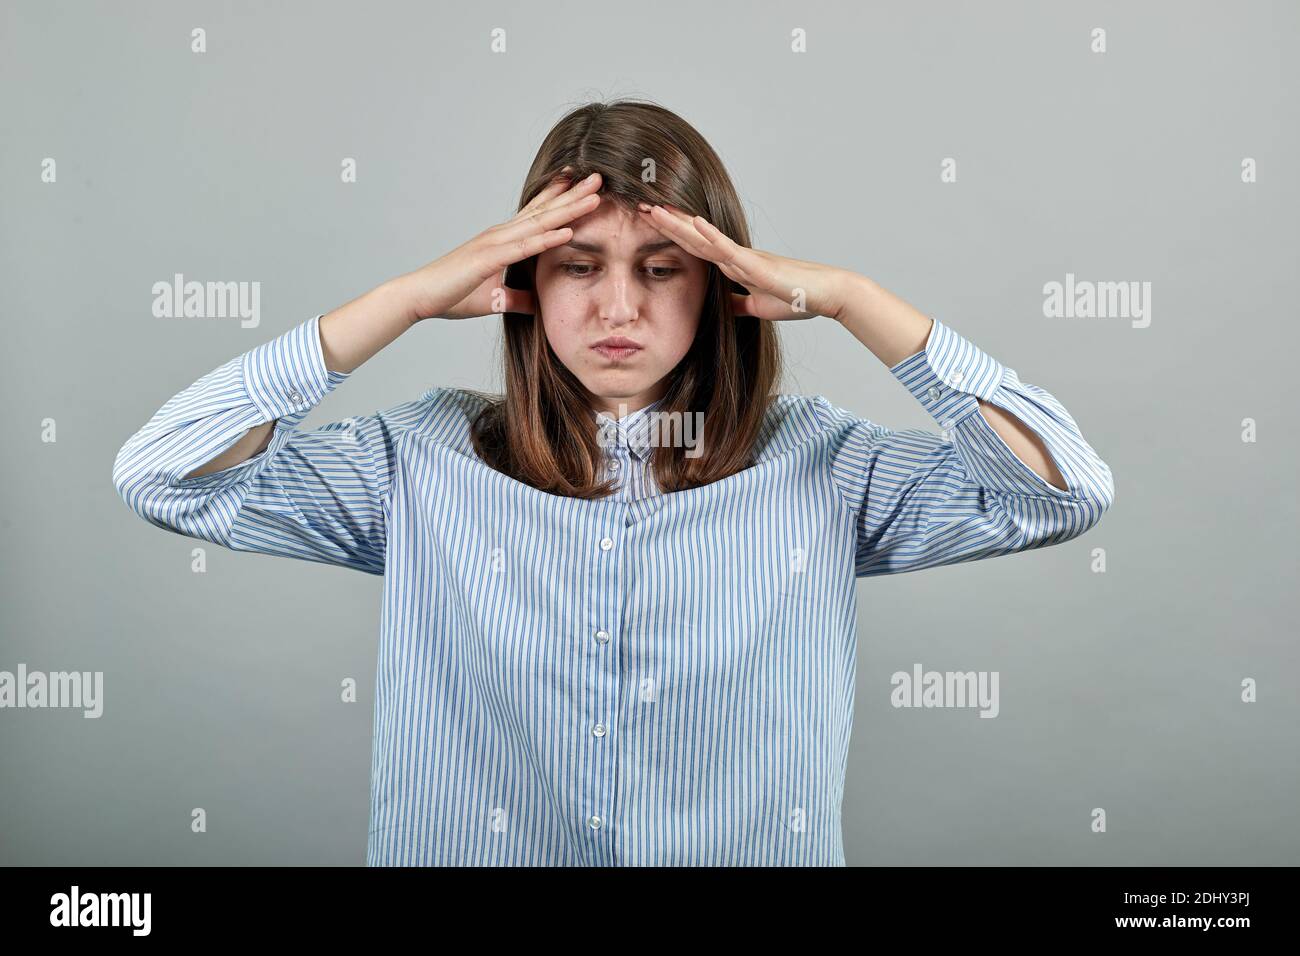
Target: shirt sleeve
x,y
314,495
921,499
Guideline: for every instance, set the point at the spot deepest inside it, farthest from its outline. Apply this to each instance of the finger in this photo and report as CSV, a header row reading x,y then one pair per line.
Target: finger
x,y
748,264
552,190
561,182
677,226
543,220
681,228
738,262
502,254
558,193
705,234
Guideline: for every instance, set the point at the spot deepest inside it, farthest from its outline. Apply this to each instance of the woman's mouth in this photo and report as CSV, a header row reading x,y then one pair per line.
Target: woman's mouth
x,y
617,347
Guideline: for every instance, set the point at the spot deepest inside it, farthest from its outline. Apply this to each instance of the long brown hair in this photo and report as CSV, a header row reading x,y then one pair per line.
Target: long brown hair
x,y
543,432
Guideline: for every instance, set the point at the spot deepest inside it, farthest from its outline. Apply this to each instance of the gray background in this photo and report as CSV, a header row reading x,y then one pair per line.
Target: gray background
x,y
1118,690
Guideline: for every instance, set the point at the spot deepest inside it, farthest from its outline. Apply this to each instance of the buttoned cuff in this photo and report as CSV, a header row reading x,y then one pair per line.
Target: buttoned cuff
x,y
286,376
949,375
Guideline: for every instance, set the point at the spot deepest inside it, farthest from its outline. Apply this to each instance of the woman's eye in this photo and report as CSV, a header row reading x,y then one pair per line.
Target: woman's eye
x,y
660,273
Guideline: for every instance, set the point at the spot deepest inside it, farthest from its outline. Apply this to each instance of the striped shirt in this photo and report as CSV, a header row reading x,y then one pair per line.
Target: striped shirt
x,y
628,442
646,679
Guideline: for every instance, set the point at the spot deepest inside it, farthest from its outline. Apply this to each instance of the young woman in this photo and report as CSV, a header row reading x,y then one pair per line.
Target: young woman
x,y
618,623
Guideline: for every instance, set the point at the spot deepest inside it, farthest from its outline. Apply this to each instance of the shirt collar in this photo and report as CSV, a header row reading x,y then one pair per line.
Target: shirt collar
x,y
632,431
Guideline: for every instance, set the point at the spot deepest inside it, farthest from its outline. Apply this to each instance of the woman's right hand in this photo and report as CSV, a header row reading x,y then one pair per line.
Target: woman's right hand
x,y
467,281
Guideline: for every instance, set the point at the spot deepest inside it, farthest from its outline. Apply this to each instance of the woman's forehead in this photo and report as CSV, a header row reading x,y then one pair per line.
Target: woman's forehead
x,y
615,232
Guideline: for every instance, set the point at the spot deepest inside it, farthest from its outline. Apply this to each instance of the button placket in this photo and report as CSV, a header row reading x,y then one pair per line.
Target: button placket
x,y
602,692
618,470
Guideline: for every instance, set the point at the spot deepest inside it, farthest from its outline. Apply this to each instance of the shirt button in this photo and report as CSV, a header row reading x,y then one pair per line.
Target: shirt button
x,y
602,637
606,543
935,393
295,396
598,730
594,822
614,464
955,379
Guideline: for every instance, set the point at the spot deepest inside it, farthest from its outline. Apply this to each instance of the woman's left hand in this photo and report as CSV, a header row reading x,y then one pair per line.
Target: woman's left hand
x,y
779,288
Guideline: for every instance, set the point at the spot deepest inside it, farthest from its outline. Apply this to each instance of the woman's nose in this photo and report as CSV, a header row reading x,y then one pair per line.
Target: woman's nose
x,y
618,298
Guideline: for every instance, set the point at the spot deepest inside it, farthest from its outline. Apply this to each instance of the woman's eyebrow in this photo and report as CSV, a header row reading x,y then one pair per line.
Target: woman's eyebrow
x,y
599,247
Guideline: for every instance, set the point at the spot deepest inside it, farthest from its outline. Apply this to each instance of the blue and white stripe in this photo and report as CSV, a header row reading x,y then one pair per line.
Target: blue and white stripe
x,y
647,679
629,445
